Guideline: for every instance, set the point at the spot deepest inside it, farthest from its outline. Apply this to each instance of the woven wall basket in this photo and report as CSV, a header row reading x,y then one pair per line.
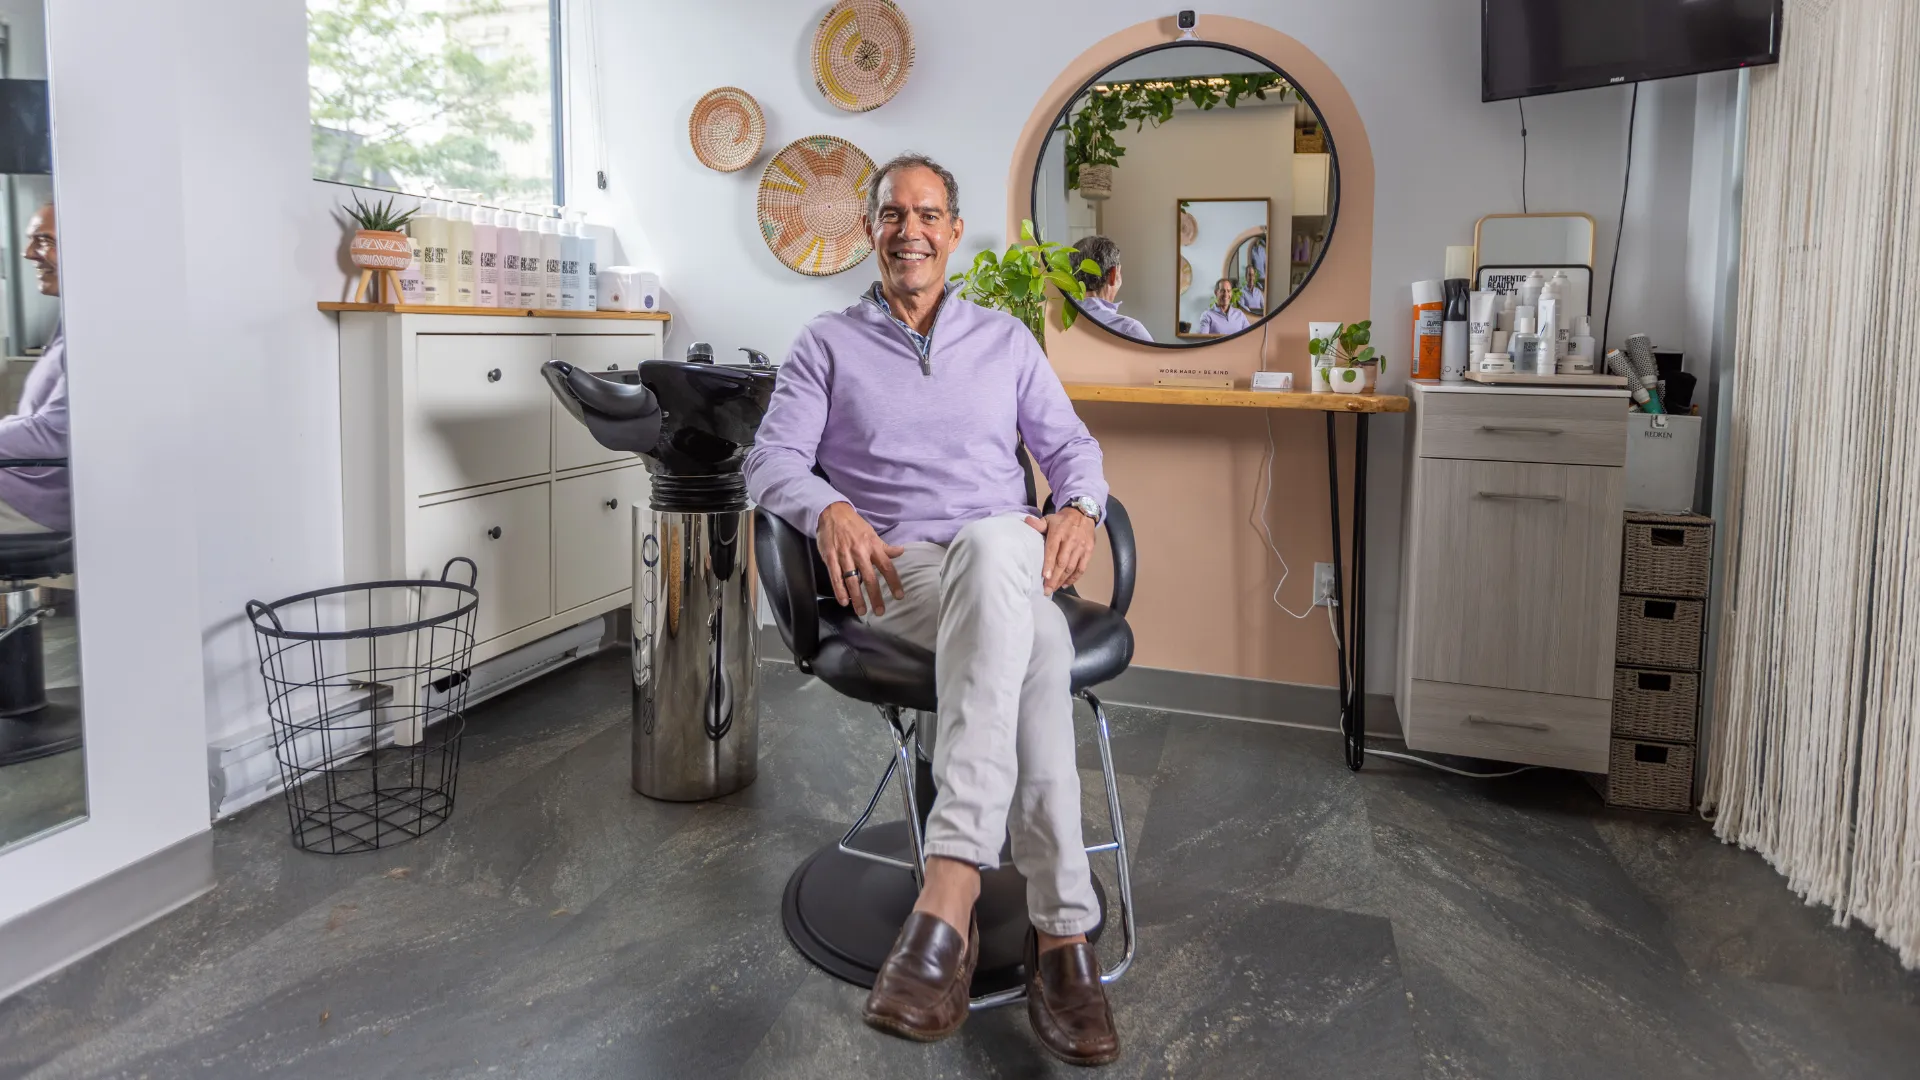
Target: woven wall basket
x,y
1186,274
813,202
862,52
727,129
1189,229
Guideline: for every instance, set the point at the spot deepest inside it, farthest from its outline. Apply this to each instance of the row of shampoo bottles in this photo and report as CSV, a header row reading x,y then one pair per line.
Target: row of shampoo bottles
x,y
466,255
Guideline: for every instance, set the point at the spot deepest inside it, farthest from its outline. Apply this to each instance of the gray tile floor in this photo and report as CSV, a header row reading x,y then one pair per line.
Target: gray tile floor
x,y
1296,920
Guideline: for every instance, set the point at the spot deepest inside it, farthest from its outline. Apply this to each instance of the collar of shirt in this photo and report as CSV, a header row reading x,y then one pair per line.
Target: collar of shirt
x,y
921,342
1108,306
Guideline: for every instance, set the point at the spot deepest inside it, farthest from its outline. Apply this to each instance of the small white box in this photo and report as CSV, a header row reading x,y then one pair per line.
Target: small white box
x,y
1273,380
1663,462
628,288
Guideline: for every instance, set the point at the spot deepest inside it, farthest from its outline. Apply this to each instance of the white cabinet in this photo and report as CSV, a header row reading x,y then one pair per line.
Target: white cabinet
x,y
1511,571
452,445
1312,180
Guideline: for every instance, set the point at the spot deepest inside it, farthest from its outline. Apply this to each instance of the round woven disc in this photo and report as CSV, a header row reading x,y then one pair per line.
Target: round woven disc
x,y
862,53
1189,229
1186,274
727,129
813,204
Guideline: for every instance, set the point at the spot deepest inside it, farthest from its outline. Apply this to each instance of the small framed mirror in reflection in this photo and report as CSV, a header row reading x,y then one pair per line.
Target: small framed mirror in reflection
x,y
1225,144
42,766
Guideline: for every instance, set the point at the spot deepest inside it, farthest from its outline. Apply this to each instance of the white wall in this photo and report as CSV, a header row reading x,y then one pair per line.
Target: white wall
x,y
265,405
118,159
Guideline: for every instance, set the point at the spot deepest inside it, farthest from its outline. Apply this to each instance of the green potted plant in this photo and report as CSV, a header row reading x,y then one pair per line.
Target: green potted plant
x,y
379,246
1092,151
1016,282
1353,363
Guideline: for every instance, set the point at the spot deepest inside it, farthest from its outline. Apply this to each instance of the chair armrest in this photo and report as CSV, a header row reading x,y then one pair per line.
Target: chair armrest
x,y
1125,560
33,463
785,558
1120,541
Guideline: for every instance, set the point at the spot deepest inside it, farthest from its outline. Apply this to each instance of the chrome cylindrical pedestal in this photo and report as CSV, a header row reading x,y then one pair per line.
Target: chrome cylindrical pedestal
x,y
696,722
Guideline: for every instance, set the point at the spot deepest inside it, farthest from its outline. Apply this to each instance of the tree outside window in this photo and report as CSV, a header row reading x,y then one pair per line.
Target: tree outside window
x,y
433,96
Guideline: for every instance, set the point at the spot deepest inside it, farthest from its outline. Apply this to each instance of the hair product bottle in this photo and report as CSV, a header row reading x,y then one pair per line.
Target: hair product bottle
x,y
1453,330
590,268
486,259
431,230
1579,359
572,290
410,283
528,231
549,262
1428,300
507,246
460,250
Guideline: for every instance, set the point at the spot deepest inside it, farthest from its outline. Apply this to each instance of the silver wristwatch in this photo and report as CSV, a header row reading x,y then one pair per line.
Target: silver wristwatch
x,y
1087,506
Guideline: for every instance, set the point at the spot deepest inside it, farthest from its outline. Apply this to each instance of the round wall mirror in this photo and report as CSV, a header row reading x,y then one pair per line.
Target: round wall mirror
x,y
1201,180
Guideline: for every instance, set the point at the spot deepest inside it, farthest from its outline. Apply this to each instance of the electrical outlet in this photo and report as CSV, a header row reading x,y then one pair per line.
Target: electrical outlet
x,y
1323,585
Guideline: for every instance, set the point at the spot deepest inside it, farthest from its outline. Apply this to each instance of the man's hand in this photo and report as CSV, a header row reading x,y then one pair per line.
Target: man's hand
x,y
856,557
1069,536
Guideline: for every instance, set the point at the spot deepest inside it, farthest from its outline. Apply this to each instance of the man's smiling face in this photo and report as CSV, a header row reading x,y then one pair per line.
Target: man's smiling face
x,y
914,232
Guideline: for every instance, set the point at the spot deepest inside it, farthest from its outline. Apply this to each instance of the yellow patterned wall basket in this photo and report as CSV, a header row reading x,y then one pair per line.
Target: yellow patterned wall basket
x,y
862,53
813,202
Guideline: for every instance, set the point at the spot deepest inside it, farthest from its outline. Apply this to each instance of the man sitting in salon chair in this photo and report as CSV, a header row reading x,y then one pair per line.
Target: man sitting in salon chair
x,y
31,499
914,402
1102,304
1224,317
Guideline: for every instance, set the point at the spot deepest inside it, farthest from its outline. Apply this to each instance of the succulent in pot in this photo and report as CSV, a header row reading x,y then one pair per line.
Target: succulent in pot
x,y
379,246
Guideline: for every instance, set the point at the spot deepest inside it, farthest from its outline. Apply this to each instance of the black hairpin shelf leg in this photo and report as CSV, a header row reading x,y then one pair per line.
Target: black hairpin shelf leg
x,y
1350,619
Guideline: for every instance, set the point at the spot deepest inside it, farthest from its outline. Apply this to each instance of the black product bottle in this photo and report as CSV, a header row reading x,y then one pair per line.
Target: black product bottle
x,y
1453,330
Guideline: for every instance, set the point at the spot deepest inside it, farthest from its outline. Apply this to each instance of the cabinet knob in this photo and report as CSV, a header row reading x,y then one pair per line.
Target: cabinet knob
x,y
613,504
494,375
613,367
493,533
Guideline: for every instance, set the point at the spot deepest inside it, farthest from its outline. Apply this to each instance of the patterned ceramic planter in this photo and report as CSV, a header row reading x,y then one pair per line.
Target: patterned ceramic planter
x,y
380,250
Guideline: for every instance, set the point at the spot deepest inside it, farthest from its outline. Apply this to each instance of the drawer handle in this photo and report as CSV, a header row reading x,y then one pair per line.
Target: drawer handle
x,y
1525,498
1493,430
493,533
494,375
1525,725
613,504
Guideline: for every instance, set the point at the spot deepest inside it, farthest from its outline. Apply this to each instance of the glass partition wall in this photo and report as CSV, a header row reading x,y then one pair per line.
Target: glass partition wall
x,y
42,756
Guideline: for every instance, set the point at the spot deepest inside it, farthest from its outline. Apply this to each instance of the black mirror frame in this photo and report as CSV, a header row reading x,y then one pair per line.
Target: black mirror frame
x,y
1333,218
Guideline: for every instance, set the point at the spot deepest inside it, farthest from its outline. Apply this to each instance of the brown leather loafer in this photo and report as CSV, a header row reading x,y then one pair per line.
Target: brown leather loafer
x,y
923,988
1068,1005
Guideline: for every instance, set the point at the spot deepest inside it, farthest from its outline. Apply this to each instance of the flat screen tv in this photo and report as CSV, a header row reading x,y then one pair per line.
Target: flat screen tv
x,y
1532,47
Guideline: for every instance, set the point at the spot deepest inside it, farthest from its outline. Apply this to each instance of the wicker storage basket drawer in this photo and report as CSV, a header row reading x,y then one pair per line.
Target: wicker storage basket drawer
x,y
1650,776
1665,558
1660,633
1655,704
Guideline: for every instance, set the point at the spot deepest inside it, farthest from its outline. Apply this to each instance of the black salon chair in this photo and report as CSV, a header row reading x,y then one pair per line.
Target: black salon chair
x,y
34,723
844,906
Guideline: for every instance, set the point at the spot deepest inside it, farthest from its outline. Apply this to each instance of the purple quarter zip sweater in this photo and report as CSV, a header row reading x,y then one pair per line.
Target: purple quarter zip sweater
x,y
918,449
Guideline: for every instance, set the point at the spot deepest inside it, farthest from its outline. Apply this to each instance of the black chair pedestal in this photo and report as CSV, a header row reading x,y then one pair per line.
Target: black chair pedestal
x,y
842,912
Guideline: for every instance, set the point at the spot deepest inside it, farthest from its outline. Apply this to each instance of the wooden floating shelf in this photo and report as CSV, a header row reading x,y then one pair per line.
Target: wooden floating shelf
x,y
537,313
1244,399
1511,378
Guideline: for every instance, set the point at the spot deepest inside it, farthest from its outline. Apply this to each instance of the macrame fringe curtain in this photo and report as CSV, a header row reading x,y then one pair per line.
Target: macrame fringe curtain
x,y
1815,750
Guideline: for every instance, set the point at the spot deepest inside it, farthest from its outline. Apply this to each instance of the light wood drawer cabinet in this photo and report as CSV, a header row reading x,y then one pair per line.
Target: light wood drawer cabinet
x,y
507,535
573,448
1510,573
593,534
1570,430
1510,725
1517,574
485,415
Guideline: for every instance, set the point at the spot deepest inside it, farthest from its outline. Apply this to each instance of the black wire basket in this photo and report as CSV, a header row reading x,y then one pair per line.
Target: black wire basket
x,y
367,692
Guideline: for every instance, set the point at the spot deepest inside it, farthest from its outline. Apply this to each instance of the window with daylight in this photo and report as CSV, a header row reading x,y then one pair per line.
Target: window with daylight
x,y
435,97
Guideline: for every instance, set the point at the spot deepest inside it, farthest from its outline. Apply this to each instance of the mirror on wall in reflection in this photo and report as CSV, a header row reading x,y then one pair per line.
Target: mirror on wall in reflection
x,y
1201,182
42,756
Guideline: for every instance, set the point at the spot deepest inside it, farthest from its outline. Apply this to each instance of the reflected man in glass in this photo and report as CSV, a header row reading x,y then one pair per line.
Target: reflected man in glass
x,y
1224,317
1102,304
35,499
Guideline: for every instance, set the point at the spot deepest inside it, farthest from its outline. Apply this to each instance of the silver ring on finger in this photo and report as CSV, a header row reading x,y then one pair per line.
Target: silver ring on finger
x,y
855,574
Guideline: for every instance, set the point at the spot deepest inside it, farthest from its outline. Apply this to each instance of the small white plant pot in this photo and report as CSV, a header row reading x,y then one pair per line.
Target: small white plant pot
x,y
1347,380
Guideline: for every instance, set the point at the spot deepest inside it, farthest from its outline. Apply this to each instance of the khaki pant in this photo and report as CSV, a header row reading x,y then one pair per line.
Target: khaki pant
x,y
1003,743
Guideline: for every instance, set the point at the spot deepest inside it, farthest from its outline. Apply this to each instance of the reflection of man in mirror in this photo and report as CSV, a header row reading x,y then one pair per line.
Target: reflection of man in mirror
x,y
35,500
913,403
1103,289
1223,317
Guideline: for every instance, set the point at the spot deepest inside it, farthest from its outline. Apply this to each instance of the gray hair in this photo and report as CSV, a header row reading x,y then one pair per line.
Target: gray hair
x,y
1103,252
912,161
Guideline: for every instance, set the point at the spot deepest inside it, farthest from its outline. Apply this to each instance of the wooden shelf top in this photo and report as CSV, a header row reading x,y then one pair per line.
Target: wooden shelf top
x,y
1244,399
538,313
